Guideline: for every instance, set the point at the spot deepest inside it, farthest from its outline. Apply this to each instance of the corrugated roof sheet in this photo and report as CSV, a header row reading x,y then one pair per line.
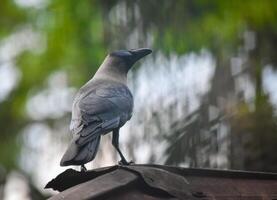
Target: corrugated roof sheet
x,y
163,182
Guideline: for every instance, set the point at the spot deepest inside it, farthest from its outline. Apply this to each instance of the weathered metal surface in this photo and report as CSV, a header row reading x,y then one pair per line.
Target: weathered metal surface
x,y
99,186
171,183
153,182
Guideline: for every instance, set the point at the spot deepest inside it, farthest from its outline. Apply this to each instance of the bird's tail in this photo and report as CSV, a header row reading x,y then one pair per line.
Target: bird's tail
x,y
77,155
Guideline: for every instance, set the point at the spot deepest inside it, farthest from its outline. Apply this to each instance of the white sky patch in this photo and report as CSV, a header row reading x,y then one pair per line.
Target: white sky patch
x,y
10,47
16,187
42,152
52,102
24,39
270,83
142,153
9,77
31,3
172,78
243,83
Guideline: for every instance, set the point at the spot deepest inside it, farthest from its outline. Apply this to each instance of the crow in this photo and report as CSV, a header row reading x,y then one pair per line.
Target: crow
x,y
104,104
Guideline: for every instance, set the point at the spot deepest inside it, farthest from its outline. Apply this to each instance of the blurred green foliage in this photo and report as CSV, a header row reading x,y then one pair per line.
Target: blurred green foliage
x,y
191,25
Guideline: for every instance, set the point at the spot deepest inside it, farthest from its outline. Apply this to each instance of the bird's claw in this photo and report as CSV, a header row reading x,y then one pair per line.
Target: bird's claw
x,y
83,168
124,162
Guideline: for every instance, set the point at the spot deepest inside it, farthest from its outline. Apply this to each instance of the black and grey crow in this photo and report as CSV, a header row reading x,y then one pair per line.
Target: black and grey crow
x,y
104,104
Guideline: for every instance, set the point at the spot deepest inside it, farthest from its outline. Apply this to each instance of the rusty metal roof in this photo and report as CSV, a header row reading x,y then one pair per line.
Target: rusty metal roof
x,y
163,182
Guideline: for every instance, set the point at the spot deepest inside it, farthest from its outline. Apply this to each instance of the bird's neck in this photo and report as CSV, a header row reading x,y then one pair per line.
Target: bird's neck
x,y
107,71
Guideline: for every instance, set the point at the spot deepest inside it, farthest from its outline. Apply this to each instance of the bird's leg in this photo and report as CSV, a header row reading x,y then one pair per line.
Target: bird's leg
x,y
83,168
116,146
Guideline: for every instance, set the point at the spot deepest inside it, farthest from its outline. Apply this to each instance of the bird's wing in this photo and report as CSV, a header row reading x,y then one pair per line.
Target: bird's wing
x,y
101,110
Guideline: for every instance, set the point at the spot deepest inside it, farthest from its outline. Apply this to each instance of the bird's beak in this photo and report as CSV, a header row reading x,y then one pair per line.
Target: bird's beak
x,y
140,53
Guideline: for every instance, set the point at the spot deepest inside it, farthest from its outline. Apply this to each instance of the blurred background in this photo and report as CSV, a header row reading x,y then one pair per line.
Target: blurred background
x,y
206,97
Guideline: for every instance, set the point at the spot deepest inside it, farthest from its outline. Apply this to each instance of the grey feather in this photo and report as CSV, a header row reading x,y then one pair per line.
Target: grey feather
x,y
98,108
76,155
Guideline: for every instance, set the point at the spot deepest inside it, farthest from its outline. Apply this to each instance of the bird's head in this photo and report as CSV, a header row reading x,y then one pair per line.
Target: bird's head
x,y
127,58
